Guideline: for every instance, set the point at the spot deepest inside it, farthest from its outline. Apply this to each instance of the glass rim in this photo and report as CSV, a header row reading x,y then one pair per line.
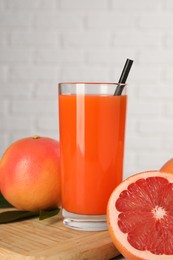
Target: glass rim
x,y
92,83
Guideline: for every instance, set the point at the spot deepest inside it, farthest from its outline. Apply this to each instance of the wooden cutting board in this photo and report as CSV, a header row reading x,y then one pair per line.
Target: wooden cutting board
x,y
50,239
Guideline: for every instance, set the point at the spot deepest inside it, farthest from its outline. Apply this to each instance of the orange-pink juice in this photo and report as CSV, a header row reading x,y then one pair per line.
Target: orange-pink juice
x,y
92,130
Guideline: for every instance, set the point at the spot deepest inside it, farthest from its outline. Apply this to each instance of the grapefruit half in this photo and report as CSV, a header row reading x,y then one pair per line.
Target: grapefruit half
x,y
140,216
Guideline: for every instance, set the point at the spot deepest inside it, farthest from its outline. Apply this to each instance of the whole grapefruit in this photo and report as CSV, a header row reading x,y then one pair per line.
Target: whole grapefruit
x,y
30,174
140,216
168,166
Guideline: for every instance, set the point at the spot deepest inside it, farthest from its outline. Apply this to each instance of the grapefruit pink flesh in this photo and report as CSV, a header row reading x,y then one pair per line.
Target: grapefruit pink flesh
x,y
140,216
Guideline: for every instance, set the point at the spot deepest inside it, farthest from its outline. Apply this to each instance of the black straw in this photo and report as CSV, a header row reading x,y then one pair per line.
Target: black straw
x,y
123,77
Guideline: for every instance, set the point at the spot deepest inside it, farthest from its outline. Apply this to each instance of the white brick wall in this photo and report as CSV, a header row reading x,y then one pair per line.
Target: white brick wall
x,y
44,42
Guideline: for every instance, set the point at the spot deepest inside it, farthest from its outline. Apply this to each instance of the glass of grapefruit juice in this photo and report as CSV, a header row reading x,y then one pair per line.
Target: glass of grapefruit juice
x,y
92,132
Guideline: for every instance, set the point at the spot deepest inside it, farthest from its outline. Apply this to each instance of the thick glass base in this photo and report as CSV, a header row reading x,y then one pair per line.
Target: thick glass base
x,y
84,222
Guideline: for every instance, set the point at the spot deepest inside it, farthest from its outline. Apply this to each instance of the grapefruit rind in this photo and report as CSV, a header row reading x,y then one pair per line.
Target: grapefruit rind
x,y
118,237
30,174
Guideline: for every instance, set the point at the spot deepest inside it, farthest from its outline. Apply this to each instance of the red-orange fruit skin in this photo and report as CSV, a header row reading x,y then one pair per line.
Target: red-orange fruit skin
x,y
30,174
168,166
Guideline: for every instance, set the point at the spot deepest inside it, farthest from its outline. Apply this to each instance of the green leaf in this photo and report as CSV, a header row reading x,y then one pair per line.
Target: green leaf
x,y
48,213
4,203
16,215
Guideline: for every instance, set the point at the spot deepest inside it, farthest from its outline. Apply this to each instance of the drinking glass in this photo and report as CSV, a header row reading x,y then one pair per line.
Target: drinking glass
x,y
92,132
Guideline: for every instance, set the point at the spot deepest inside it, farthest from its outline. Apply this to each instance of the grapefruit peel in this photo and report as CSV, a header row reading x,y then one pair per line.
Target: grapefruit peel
x,y
30,174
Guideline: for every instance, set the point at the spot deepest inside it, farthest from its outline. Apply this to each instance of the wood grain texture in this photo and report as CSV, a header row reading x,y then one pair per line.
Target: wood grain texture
x,y
50,239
